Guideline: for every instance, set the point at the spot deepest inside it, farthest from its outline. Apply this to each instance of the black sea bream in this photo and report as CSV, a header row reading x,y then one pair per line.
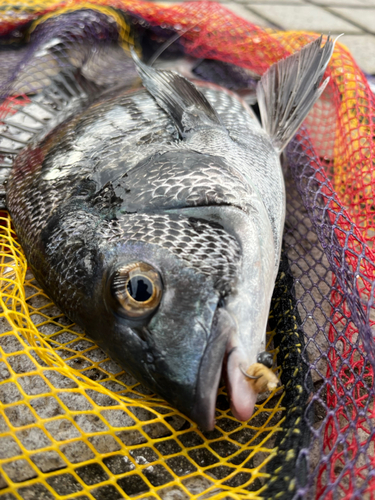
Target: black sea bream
x,y
154,219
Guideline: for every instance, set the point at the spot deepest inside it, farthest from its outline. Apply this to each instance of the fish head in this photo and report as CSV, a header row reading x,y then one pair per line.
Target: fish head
x,y
176,292
158,308
206,270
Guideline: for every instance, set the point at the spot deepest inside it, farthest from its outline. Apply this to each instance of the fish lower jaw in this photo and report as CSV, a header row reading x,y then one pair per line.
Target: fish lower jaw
x,y
242,392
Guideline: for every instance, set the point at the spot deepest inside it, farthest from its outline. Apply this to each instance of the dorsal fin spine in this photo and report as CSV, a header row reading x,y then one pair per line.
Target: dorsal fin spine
x,y
180,98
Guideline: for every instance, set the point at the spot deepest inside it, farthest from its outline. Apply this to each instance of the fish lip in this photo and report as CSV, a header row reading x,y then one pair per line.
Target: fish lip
x,y
210,369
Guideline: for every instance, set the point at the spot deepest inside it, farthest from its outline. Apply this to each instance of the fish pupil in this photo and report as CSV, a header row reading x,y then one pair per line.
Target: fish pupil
x,y
140,288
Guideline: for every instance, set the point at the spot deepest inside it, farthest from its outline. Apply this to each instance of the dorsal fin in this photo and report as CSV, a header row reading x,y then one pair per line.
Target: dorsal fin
x,y
289,89
180,98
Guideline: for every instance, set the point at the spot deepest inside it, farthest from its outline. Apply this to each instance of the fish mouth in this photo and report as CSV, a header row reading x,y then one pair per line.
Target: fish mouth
x,y
241,393
203,411
220,358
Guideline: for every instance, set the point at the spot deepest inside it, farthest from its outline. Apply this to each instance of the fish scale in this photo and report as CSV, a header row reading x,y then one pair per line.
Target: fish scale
x,y
154,217
158,183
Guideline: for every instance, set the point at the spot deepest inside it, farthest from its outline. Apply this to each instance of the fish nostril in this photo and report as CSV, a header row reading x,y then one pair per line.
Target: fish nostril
x,y
141,332
221,302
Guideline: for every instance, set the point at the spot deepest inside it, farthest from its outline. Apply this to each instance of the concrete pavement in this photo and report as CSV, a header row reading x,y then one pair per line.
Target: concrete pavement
x,y
354,18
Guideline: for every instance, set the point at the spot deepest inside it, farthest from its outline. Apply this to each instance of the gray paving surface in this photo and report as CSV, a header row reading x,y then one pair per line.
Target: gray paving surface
x,y
354,18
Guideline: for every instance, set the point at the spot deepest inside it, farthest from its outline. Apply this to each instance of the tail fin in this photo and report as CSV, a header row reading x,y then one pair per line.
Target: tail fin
x,y
289,89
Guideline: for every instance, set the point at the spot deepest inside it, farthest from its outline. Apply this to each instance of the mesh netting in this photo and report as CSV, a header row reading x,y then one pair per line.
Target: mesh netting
x,y
73,424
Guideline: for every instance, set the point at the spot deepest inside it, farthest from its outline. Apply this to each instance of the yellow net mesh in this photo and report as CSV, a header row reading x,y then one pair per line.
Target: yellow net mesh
x,y
73,423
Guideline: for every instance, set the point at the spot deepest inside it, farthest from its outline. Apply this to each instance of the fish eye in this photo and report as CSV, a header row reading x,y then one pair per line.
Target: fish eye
x,y
138,289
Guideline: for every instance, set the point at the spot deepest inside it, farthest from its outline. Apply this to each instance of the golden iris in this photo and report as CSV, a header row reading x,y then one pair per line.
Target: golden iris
x,y
138,288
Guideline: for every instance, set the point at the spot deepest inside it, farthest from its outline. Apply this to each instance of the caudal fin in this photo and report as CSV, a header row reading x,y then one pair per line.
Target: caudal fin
x,y
289,89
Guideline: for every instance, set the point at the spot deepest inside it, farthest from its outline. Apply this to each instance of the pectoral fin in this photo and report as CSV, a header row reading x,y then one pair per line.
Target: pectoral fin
x,y
67,93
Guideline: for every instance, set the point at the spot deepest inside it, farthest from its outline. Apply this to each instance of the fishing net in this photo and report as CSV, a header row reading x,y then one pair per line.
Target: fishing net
x,y
72,423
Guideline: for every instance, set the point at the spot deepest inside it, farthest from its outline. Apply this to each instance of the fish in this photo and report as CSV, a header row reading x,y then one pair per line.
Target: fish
x,y
153,217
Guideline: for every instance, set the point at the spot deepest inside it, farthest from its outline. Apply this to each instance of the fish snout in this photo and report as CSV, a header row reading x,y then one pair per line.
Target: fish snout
x,y
210,370
189,377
